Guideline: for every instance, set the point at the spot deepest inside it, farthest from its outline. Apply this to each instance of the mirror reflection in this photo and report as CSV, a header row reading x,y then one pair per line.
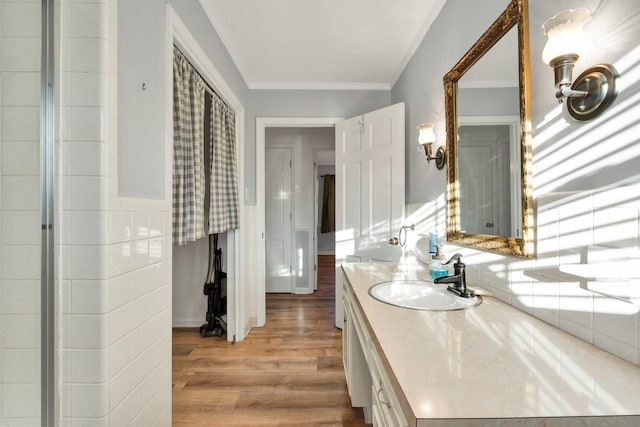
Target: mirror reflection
x,y
488,111
489,191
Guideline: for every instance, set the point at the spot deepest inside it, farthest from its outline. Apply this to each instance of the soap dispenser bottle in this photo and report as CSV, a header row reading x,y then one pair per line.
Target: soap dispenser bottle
x,y
436,266
433,242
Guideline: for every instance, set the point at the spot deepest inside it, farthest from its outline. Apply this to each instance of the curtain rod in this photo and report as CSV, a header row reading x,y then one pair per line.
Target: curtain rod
x,y
206,83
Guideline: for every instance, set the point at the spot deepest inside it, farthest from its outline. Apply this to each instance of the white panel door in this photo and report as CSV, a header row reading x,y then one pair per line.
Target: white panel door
x,y
475,170
278,219
484,168
370,185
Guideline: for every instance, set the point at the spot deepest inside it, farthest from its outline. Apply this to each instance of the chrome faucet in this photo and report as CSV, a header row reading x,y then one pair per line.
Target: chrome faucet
x,y
458,281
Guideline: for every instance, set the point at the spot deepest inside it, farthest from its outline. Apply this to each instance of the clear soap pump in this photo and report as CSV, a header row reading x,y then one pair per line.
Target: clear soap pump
x,y
436,266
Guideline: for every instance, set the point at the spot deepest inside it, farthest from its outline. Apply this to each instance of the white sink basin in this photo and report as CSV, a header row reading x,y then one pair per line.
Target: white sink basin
x,y
421,295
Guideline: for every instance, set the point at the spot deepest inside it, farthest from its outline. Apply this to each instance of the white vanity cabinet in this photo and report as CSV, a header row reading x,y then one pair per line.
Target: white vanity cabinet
x,y
355,342
367,381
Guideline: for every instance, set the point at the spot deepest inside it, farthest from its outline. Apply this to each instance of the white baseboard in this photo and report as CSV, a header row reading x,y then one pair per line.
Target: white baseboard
x,y
189,323
326,252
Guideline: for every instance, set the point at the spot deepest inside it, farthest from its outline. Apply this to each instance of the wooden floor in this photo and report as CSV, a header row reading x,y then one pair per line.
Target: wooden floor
x,y
288,373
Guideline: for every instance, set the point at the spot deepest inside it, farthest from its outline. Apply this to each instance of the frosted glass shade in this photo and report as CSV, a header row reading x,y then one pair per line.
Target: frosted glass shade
x,y
426,134
565,32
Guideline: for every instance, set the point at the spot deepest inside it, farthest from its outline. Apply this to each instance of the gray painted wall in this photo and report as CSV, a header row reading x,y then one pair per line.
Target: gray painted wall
x,y
141,161
301,103
488,102
420,86
141,38
141,114
615,30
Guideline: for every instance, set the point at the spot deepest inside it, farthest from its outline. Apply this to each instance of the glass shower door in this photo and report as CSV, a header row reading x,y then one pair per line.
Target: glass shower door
x,y
23,112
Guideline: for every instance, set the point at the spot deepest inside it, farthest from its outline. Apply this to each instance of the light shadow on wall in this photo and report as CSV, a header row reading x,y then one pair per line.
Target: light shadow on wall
x,y
566,153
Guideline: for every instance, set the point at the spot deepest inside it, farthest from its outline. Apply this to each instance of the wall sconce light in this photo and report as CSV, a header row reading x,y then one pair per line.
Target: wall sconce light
x,y
594,90
426,137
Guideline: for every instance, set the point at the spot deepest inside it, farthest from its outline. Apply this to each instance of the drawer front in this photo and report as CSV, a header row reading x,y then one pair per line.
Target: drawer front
x,y
361,329
377,418
384,398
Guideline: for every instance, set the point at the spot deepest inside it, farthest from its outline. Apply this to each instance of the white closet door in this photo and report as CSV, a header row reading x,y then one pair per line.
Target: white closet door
x,y
278,195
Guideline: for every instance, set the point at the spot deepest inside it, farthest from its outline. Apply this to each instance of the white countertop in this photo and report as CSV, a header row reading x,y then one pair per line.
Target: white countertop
x,y
489,362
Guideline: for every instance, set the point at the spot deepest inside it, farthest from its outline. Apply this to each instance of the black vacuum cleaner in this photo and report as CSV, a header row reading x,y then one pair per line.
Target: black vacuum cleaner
x,y
216,304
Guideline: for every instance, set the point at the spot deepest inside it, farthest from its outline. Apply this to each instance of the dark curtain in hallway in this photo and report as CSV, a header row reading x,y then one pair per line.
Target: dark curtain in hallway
x,y
328,223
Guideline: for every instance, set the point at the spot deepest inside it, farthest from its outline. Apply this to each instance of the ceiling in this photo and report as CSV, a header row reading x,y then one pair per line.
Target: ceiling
x,y
321,44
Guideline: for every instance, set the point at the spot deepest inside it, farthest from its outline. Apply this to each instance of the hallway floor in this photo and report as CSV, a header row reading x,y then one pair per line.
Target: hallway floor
x,y
288,373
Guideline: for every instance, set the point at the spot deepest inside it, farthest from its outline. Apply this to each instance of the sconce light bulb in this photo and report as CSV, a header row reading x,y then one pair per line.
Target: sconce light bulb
x,y
426,135
565,33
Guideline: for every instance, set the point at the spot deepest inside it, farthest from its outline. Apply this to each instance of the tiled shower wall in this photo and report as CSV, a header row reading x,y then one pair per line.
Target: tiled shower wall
x,y
115,293
19,212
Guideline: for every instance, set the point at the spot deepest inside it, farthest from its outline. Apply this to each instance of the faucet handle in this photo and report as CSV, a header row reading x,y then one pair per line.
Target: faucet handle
x,y
456,257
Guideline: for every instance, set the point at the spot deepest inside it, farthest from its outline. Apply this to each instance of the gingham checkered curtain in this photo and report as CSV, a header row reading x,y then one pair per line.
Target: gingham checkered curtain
x,y
223,186
188,154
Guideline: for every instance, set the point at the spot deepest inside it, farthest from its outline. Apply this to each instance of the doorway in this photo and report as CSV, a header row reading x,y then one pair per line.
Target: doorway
x,y
290,156
325,238
289,132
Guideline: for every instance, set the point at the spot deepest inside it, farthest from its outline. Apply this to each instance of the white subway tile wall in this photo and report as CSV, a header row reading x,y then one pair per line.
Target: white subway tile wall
x,y
116,331
566,225
19,212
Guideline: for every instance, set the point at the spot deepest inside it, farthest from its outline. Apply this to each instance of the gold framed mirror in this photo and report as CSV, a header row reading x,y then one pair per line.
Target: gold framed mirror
x,y
488,126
